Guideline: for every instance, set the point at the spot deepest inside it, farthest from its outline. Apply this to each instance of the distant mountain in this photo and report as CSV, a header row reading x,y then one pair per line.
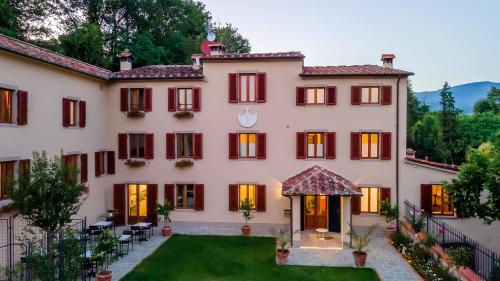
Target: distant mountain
x,y
465,95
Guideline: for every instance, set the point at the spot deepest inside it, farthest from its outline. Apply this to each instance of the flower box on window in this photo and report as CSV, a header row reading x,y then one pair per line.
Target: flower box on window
x,y
183,114
135,114
184,163
135,163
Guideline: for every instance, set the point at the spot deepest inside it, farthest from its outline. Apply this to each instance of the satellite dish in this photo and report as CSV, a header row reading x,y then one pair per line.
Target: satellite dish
x,y
211,36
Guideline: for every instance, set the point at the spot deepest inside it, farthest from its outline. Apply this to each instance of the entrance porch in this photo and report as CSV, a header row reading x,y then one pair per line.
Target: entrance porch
x,y
321,208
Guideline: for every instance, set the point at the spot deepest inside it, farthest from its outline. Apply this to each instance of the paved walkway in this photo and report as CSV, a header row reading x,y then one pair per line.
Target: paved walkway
x,y
381,256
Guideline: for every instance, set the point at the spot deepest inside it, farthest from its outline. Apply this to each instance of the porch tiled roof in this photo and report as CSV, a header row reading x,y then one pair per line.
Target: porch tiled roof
x,y
319,181
353,70
159,72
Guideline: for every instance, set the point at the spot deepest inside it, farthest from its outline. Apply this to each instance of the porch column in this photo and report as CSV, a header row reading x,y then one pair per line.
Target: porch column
x,y
346,219
296,221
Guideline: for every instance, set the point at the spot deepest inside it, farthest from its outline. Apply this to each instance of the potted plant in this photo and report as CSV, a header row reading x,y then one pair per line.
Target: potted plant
x,y
183,114
164,211
459,257
135,163
246,206
391,215
283,239
359,242
135,113
417,224
184,163
104,247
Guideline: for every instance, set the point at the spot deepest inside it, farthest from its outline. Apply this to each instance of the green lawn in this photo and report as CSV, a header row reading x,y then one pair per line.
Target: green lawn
x,y
204,258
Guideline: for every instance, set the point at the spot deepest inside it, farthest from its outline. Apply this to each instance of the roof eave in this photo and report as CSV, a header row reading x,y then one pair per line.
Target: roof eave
x,y
356,75
251,59
156,78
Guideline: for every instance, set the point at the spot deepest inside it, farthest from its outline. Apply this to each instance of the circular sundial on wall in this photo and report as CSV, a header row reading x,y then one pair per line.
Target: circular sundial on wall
x,y
247,119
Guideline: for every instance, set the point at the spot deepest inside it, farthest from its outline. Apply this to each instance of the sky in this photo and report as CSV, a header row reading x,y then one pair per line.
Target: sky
x,y
439,40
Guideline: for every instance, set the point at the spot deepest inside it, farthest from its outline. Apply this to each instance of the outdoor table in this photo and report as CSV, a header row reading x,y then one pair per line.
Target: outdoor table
x,y
103,224
321,234
143,225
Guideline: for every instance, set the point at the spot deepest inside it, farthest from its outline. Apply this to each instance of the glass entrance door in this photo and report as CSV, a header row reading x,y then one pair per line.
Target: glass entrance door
x,y
315,212
137,203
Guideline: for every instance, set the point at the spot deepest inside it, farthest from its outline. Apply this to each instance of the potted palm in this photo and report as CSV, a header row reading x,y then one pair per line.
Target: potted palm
x,y
391,215
283,239
359,242
246,206
104,247
164,211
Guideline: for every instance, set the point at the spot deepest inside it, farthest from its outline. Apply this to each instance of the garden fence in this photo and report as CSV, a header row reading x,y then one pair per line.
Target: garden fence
x,y
483,260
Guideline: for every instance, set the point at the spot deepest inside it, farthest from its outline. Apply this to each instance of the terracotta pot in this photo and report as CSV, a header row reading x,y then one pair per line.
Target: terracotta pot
x,y
420,236
389,231
282,256
104,276
360,258
246,229
166,231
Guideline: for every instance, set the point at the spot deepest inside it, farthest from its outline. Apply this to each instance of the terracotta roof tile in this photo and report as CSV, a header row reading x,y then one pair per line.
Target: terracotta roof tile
x,y
433,164
353,70
160,72
32,51
254,56
319,181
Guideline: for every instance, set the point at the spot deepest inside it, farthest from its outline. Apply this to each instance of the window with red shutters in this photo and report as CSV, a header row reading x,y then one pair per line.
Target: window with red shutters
x,y
148,99
6,104
198,146
70,109
315,95
386,98
355,146
83,168
331,95
385,148
83,113
233,146
355,95
315,144
149,146
355,205
170,194
330,145
119,196
122,146
261,198
261,146
24,167
172,106
233,197
22,107
111,162
199,197
301,145
124,99
300,96
196,99
170,145
385,194
261,87
232,88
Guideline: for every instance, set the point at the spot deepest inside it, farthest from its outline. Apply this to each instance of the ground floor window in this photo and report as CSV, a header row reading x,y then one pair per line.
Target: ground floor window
x,y
137,201
370,199
70,162
247,191
441,202
6,177
185,196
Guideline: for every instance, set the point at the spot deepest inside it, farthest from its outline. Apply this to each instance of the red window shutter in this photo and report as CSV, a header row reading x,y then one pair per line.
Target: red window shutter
x,y
233,146
170,194
261,87
198,146
301,145
97,164
111,162
385,194
233,92
355,205
330,145
172,106
119,196
152,203
197,99
261,198
301,96
170,146
199,197
426,198
65,112
355,95
122,146
25,167
148,99
331,95
261,146
149,142
386,98
233,197
385,148
355,146
83,113
124,99
22,107
83,168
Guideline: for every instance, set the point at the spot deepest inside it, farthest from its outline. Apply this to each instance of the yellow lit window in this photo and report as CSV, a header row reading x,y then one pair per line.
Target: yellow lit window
x,y
441,202
137,200
248,191
248,145
5,106
369,145
315,145
370,95
369,200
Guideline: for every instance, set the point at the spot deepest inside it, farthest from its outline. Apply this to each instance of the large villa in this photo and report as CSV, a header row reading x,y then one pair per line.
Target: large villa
x,y
313,147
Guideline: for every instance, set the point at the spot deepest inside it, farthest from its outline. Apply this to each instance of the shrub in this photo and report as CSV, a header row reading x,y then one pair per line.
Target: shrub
x,y
401,240
417,223
429,241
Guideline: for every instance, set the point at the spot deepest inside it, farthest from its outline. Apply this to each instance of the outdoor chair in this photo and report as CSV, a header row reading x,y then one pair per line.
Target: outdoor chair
x,y
138,232
95,231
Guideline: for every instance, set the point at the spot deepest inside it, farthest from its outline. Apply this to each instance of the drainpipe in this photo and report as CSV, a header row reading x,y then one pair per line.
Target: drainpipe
x,y
291,217
397,148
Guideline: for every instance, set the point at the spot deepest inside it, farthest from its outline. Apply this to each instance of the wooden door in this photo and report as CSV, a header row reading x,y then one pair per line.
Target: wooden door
x,y
137,203
315,212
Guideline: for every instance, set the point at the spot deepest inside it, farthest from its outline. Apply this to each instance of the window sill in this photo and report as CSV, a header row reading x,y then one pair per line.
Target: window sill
x,y
445,216
183,115
9,125
317,159
133,163
136,114
180,210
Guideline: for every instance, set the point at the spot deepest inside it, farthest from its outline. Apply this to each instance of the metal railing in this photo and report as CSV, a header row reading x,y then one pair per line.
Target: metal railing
x,y
483,260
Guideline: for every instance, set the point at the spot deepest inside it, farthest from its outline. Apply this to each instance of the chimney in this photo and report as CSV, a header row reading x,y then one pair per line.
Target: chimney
x,y
196,61
125,60
410,153
387,60
216,48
